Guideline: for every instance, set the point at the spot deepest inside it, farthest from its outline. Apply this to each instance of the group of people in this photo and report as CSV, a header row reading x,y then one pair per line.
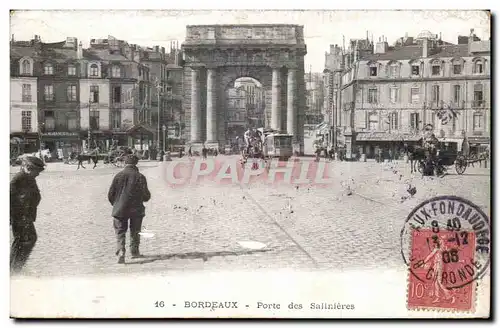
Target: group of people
x,y
127,194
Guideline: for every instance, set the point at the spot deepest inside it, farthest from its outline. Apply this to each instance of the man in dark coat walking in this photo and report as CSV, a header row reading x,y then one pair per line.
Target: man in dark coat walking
x,y
24,199
127,193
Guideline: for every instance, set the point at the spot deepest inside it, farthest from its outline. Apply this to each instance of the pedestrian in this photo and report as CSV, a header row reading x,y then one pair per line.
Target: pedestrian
x,y
190,152
128,192
390,155
204,152
24,199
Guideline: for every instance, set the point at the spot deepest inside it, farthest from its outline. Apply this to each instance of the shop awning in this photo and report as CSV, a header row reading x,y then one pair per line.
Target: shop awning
x,y
140,129
385,136
322,128
479,140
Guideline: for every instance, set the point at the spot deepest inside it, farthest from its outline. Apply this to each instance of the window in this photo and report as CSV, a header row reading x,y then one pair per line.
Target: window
x,y
117,95
48,69
477,121
26,120
169,90
435,94
373,71
116,119
393,121
393,93
72,122
414,121
373,121
50,122
71,70
436,69
456,94
26,93
116,71
26,67
415,95
94,70
457,69
393,70
94,120
415,70
372,96
478,67
49,93
478,95
71,92
94,94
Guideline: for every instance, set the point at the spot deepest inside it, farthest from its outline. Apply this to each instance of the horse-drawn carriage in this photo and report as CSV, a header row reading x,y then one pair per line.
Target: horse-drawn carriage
x,y
444,158
115,157
267,144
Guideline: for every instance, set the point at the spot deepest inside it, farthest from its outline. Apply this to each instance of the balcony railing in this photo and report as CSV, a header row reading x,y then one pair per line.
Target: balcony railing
x,y
478,103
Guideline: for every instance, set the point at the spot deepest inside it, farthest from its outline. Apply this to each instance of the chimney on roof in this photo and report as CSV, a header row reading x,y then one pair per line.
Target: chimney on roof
x,y
382,46
425,47
71,43
79,51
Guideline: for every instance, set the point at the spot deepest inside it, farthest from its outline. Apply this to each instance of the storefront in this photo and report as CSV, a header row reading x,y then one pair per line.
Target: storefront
x,y
60,140
140,137
479,144
370,143
24,142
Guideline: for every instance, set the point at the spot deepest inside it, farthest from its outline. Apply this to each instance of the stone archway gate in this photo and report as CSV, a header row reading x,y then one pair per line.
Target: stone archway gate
x,y
216,55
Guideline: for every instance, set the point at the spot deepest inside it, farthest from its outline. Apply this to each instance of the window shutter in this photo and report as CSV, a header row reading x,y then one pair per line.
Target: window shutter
x,y
360,119
486,95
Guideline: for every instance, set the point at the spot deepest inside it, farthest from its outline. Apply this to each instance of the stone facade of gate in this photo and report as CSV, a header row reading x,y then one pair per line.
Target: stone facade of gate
x,y
217,55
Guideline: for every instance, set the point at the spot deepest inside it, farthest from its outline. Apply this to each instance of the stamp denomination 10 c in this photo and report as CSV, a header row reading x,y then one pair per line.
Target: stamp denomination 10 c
x,y
446,244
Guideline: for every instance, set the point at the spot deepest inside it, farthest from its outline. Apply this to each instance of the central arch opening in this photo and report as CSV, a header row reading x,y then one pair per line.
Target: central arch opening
x,y
245,104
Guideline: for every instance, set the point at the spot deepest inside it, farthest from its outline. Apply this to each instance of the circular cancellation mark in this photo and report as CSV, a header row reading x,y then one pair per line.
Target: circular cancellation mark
x,y
447,238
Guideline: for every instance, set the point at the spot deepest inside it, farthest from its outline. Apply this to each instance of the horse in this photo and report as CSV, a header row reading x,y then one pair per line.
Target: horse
x,y
93,155
415,156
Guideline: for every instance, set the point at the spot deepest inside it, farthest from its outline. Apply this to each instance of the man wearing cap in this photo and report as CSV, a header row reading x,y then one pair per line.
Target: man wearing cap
x,y
430,144
128,191
24,199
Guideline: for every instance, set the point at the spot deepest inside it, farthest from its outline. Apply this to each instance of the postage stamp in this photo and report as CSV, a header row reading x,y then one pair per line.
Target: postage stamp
x,y
449,241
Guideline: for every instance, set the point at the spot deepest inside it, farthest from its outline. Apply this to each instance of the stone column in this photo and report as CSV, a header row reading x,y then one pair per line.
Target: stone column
x,y
291,104
276,100
211,106
195,106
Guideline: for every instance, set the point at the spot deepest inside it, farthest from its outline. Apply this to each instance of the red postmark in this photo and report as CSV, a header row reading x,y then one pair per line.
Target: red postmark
x,y
442,270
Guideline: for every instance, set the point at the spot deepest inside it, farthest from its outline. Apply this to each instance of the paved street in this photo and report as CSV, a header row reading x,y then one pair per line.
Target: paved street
x,y
198,228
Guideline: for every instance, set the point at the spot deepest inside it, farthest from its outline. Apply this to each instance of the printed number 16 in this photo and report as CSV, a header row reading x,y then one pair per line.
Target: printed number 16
x,y
159,304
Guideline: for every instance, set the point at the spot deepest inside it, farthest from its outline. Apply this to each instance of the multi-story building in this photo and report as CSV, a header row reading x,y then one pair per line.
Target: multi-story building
x,y
58,89
114,92
334,66
237,119
23,94
166,92
389,94
314,93
254,101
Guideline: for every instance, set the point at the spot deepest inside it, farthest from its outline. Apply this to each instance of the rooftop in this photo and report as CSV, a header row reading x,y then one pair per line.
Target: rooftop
x,y
415,51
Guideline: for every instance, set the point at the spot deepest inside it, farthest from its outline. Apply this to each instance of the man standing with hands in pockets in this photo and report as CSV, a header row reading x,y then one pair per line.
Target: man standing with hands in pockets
x,y
128,192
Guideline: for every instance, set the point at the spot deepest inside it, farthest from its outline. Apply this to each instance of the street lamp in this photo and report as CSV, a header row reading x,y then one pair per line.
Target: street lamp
x,y
158,87
164,128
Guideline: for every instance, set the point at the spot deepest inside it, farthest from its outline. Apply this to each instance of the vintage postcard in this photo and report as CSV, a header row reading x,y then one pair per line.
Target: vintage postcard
x,y
250,164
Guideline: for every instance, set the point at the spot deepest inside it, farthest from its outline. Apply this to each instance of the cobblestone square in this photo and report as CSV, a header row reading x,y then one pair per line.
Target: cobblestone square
x,y
200,227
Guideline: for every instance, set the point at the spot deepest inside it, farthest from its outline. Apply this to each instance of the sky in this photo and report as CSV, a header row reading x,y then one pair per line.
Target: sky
x,y
321,28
